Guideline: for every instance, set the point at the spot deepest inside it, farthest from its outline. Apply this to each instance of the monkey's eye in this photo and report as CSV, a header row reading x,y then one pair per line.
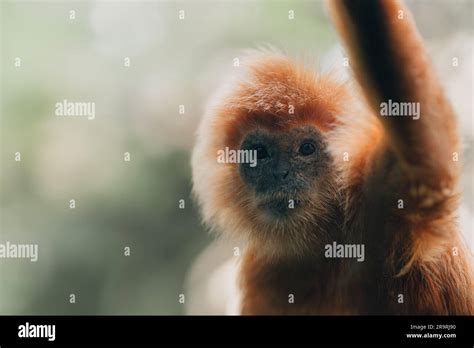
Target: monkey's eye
x,y
306,149
261,152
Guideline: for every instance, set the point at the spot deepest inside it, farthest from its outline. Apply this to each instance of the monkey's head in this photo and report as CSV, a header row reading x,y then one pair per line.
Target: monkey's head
x,y
261,166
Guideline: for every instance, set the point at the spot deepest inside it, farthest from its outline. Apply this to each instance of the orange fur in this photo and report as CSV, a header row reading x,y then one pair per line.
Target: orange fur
x,y
409,251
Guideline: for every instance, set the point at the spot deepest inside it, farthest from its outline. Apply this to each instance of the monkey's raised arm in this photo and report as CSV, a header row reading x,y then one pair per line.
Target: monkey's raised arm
x,y
390,63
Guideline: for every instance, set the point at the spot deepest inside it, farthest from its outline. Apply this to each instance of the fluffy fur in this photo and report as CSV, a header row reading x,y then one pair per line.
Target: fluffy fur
x,y
375,162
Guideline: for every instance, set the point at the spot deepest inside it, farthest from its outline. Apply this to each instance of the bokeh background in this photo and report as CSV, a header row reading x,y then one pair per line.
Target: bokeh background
x,y
135,204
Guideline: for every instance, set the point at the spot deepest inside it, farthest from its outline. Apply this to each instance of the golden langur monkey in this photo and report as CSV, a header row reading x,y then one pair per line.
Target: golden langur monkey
x,y
334,171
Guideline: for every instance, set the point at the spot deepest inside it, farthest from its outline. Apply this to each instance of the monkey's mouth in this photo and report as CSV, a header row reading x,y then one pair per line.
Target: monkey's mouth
x,y
279,205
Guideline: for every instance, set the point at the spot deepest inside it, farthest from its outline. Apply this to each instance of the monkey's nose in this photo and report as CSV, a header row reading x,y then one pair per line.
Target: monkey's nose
x,y
281,174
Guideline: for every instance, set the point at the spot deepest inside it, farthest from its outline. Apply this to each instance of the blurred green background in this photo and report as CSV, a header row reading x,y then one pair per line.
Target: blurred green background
x,y
135,204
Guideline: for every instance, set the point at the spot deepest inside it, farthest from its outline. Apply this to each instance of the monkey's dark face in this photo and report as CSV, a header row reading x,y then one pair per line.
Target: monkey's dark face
x,y
288,167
